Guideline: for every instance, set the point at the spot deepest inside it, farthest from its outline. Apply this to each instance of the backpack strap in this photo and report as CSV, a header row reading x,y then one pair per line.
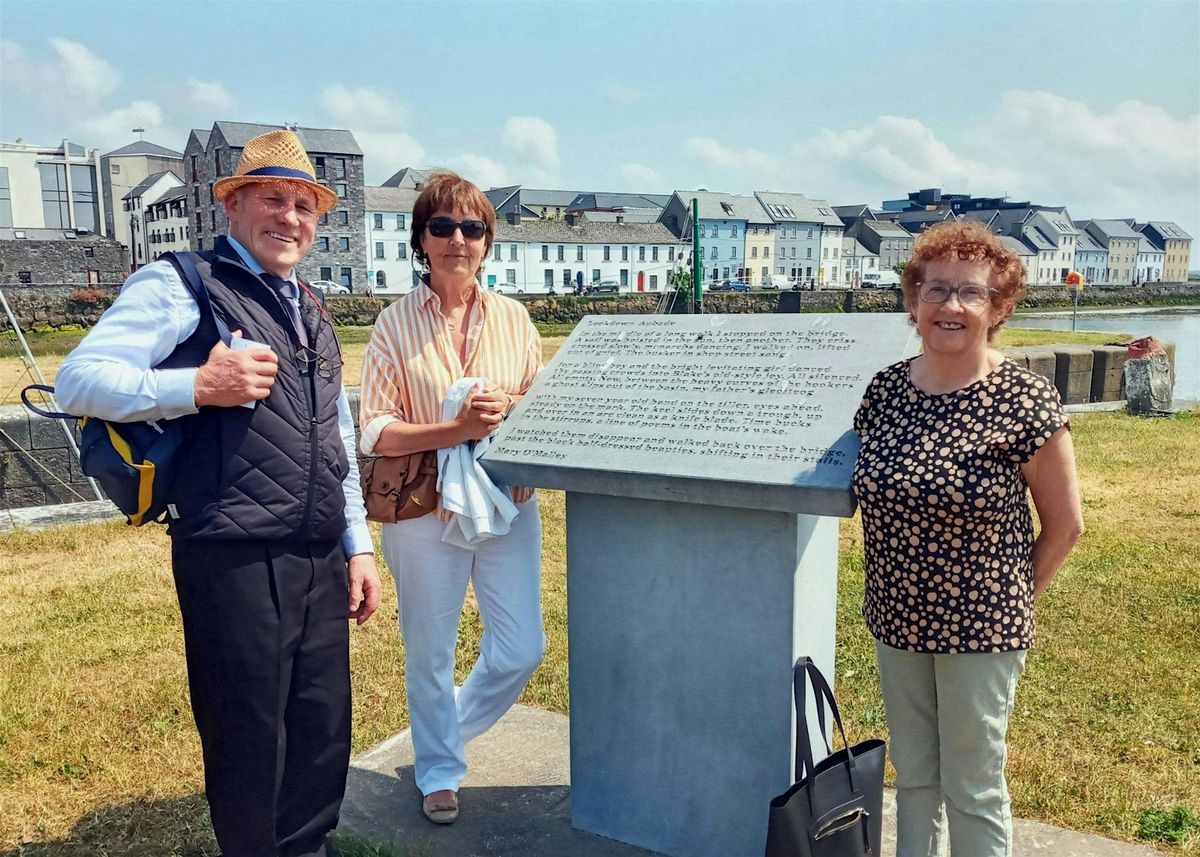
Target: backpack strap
x,y
185,263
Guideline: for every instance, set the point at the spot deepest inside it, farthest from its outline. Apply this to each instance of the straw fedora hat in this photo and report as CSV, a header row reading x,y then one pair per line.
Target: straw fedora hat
x,y
272,157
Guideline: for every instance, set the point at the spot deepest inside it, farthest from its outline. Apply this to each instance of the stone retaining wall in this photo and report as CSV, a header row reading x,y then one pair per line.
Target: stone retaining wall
x,y
59,305
1082,373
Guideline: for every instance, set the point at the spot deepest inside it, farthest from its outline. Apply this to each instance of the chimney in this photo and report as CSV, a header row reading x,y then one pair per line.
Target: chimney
x,y
570,218
620,218
514,217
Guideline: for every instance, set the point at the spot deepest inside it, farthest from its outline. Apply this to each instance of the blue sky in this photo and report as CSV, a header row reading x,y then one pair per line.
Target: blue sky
x,y
1091,105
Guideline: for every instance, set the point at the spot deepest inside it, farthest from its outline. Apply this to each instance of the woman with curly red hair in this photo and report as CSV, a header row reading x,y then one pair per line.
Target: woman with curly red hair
x,y
951,441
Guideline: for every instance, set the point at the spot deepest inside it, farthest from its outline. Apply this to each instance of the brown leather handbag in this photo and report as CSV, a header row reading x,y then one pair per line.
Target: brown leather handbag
x,y
400,487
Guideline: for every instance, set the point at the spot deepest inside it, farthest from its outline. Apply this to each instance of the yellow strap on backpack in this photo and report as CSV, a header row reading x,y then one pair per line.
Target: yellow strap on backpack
x,y
145,474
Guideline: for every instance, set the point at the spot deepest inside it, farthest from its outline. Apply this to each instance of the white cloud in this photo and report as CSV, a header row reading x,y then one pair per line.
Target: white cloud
x,y
643,179
114,127
481,170
362,106
1133,160
385,152
70,70
534,143
891,155
711,153
210,98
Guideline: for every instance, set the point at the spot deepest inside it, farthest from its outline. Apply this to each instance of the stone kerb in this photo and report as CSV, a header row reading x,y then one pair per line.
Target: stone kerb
x,y
37,468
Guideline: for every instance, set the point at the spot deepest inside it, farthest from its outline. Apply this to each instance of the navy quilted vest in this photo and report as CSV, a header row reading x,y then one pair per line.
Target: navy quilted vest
x,y
273,472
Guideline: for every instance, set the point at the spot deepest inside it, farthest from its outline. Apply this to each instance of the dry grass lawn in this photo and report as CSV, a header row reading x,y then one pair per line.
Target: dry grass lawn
x,y
98,755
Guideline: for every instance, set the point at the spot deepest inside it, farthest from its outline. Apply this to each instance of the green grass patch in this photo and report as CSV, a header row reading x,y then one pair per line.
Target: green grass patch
x,y
1019,337
1177,825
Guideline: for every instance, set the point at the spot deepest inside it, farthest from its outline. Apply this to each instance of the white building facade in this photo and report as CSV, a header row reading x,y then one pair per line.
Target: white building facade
x,y
165,223
388,225
43,187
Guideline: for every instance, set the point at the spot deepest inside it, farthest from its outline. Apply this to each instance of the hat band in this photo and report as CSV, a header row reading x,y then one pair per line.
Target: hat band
x,y
280,172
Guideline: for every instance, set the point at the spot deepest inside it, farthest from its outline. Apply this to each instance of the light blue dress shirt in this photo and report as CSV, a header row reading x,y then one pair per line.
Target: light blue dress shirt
x,y
111,373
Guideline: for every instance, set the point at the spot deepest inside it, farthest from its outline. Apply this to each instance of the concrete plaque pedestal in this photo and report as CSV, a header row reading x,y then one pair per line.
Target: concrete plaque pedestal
x,y
704,459
684,623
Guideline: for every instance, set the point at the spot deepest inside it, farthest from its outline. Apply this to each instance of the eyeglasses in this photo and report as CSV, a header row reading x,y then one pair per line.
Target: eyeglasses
x,y
971,295
278,203
443,227
308,360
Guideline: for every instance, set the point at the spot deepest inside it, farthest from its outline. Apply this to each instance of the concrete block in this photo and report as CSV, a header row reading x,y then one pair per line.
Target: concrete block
x,y
20,498
1108,372
1073,374
18,470
16,433
46,434
1149,384
681,723
1042,361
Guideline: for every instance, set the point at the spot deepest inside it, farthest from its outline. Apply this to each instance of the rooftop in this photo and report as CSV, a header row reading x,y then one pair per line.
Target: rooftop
x,y
141,147
389,198
321,140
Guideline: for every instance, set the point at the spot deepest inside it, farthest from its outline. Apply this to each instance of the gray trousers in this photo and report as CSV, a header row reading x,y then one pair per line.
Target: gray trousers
x,y
948,715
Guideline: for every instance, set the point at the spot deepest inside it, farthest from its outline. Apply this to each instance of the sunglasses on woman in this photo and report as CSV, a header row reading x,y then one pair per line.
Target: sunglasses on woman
x,y
443,227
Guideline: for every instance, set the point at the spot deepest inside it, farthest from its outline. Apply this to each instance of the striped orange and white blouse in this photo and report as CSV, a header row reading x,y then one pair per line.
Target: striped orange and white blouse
x,y
411,361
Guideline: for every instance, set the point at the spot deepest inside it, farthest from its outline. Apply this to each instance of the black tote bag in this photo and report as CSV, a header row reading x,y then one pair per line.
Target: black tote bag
x,y
835,808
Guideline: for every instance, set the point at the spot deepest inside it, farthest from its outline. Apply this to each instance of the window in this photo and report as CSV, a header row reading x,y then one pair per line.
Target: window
x,y
339,168
671,253
196,194
401,250
344,218
641,254
25,277
824,252
753,252
512,252
54,195
703,231
714,252
344,244
217,162
195,168
378,221
578,252
510,275
624,254
725,272
347,277
199,244
323,244
400,221
213,218
378,249
808,252
733,231
319,164
624,276
732,252
212,197
341,190
809,233
548,278
654,254
654,281
560,252
835,252
199,223
324,219
607,253
381,279
326,273
595,275
766,252
496,252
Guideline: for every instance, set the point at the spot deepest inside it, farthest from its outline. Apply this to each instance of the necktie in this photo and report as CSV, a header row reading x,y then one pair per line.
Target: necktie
x,y
291,300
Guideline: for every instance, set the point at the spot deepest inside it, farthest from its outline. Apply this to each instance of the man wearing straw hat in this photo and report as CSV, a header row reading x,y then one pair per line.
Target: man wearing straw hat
x,y
269,543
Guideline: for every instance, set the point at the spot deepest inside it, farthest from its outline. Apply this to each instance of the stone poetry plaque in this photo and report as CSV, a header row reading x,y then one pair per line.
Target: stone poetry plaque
x,y
756,400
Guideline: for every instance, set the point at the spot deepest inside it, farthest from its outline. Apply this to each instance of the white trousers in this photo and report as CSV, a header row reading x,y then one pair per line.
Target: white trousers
x,y
948,717
431,585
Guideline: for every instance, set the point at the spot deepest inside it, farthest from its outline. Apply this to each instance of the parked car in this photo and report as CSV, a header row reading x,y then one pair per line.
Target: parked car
x,y
730,286
605,287
329,287
776,281
505,289
880,280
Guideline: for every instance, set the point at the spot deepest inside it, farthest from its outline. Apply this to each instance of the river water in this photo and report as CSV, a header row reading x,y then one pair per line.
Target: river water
x,y
1180,325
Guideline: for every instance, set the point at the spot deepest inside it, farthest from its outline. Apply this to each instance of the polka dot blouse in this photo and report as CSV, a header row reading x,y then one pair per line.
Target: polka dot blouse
x,y
946,524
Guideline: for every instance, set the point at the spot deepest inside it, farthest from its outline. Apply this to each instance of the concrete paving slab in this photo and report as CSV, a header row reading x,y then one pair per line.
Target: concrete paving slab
x,y
516,802
61,515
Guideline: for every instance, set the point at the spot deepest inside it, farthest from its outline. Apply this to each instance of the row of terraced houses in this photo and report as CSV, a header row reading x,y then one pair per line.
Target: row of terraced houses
x,y
148,199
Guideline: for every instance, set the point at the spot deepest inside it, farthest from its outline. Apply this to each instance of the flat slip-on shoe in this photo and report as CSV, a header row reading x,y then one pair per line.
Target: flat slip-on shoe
x,y
440,811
